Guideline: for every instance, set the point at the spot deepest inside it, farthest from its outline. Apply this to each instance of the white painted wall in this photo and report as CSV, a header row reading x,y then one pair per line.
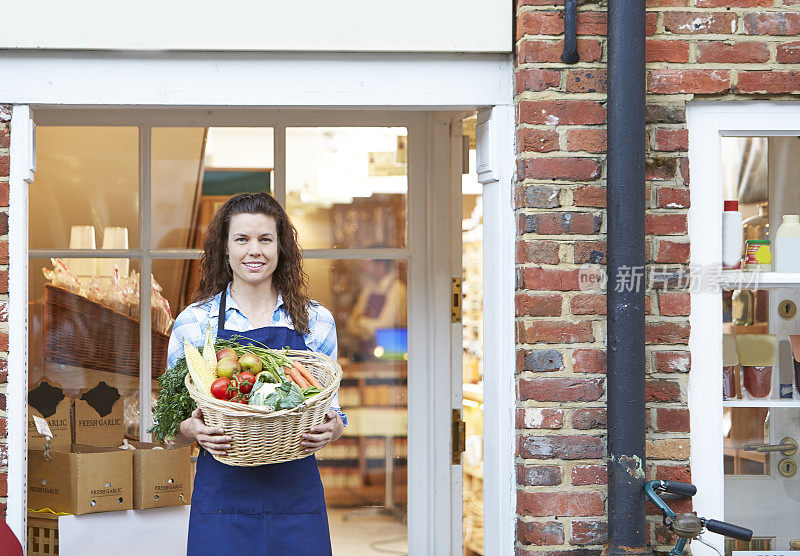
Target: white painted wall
x,y
346,25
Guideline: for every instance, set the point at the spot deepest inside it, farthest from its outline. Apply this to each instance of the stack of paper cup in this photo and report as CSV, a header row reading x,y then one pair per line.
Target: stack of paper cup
x,y
82,237
114,237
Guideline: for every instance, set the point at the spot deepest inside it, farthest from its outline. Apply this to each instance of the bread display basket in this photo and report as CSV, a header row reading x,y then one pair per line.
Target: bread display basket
x,y
261,435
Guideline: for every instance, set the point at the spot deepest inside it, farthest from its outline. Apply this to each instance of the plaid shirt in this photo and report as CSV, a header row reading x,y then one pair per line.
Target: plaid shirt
x,y
191,324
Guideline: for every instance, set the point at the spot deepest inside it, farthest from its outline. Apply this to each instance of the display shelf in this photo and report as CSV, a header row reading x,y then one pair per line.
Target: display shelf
x,y
734,279
761,403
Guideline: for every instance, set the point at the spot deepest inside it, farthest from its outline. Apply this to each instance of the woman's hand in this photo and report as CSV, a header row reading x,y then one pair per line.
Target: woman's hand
x,y
210,438
320,436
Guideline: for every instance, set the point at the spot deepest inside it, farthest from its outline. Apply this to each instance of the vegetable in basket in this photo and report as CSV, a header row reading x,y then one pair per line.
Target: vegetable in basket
x,y
173,404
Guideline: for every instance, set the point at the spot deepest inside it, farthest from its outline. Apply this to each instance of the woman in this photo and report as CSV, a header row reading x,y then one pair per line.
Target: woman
x,y
252,286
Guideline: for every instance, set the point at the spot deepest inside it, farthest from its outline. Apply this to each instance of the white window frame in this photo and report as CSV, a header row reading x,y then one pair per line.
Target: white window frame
x,y
708,122
218,85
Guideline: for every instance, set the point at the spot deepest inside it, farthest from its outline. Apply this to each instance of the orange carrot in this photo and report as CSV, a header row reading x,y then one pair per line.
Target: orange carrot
x,y
306,374
295,377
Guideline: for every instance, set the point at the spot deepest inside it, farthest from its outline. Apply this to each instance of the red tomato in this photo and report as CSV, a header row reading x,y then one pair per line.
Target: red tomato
x,y
221,389
246,382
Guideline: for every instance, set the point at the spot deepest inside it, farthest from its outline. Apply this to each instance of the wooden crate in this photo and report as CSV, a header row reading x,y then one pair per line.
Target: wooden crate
x,y
42,535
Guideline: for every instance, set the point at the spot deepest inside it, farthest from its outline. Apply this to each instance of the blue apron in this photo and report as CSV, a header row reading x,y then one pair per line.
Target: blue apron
x,y
270,510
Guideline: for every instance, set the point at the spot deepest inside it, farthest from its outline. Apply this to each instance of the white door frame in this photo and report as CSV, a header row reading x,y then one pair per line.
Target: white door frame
x,y
240,86
708,122
434,135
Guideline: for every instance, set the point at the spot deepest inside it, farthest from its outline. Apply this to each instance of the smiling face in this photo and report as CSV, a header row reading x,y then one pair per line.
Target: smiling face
x,y
252,248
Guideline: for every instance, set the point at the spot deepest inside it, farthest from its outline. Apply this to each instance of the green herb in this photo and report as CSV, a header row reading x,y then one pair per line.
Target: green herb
x,y
174,403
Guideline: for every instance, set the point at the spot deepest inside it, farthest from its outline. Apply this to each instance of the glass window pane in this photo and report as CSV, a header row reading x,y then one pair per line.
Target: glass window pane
x,y
84,330
87,181
366,469
347,187
195,169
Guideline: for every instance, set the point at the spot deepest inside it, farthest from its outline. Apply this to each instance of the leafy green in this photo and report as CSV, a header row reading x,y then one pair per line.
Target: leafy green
x,y
261,390
174,403
286,396
310,392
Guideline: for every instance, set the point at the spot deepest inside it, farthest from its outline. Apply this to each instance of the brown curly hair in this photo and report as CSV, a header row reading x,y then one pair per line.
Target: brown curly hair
x,y
289,278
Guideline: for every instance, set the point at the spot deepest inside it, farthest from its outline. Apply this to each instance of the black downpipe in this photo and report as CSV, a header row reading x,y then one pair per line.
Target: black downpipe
x,y
626,281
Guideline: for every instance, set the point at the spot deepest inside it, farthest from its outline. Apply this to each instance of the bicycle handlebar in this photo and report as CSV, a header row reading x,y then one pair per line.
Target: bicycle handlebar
x,y
729,530
682,489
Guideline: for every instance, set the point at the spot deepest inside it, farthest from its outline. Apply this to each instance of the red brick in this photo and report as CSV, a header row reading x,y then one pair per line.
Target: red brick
x,y
540,533
586,81
537,252
683,165
666,333
590,140
4,166
672,197
589,361
671,139
552,223
561,389
589,196
3,370
697,23
674,113
539,51
537,196
539,418
659,168
674,304
539,475
3,223
555,332
536,80
667,51
679,473
672,419
561,168
768,81
561,112
588,304
595,23
548,3
3,427
5,137
589,418
590,252
3,484
541,504
672,252
3,252
733,3
589,475
551,279
541,305
539,23
666,81
4,289
673,361
788,53
537,140
4,193
589,532
772,23
662,391
664,224
743,52
559,447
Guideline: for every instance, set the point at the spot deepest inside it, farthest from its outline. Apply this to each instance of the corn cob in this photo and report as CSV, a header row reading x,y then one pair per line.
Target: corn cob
x,y
209,353
199,371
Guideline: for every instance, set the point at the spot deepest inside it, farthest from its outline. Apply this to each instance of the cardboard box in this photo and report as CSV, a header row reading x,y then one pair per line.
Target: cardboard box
x,y
160,477
97,417
88,479
48,401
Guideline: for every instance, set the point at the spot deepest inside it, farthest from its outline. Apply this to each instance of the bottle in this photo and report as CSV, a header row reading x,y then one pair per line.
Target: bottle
x,y
787,244
742,308
732,236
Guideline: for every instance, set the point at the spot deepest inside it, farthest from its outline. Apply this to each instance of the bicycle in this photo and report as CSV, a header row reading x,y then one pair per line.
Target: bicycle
x,y
688,527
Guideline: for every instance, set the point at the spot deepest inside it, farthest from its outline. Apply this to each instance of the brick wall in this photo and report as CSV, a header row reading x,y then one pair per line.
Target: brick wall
x,y
5,120
721,49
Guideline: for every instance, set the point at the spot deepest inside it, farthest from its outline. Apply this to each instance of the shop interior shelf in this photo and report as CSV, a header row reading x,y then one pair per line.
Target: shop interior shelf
x,y
761,403
733,279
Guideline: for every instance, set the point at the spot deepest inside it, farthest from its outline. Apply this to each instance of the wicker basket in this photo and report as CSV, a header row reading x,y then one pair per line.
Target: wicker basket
x,y
83,333
260,436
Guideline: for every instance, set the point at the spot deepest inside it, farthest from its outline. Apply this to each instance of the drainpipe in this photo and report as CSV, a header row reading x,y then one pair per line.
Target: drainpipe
x,y
625,338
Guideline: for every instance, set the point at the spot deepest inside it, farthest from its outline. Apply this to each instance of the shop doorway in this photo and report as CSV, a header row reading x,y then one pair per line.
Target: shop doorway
x,y
377,199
